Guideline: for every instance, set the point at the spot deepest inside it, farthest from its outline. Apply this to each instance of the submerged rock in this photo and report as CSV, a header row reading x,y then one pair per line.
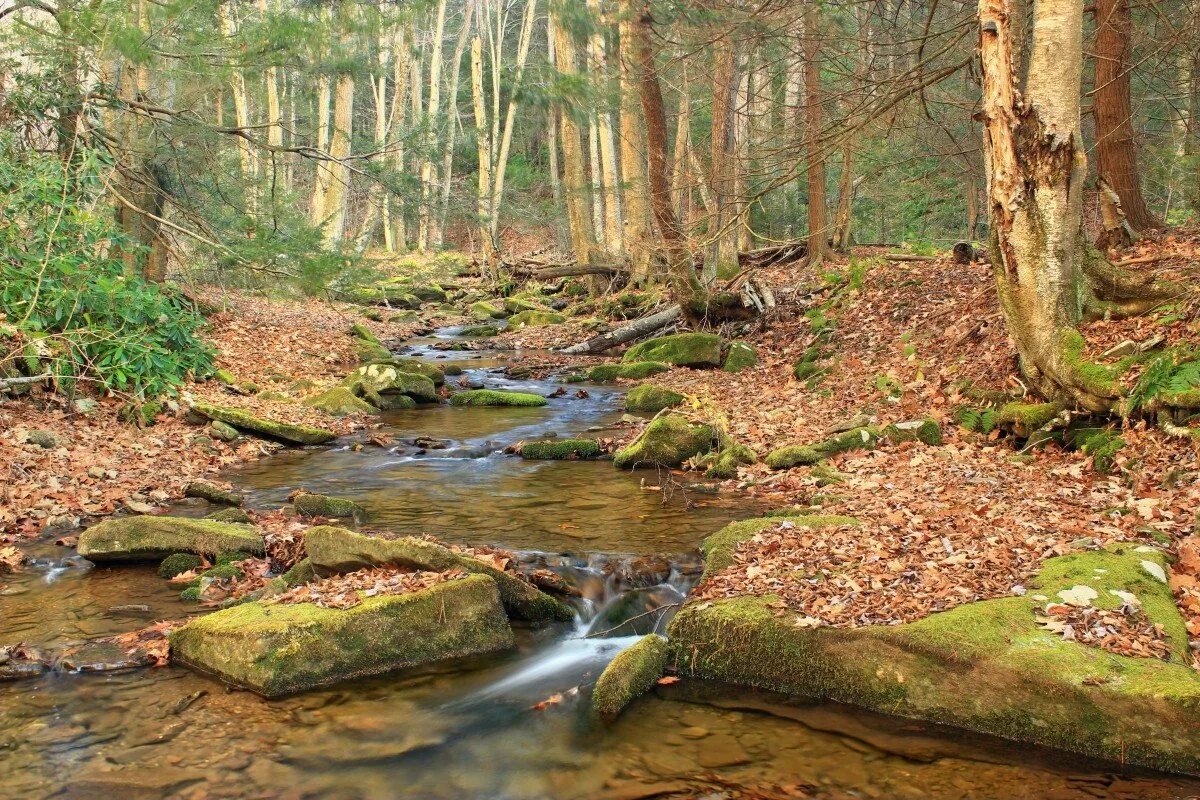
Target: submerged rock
x,y
985,666
309,504
212,493
283,649
680,349
668,441
151,538
334,550
637,370
495,397
631,674
648,397
559,449
282,431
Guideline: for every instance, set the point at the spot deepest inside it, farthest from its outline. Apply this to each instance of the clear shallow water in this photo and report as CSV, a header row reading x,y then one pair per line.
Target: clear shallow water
x,y
469,730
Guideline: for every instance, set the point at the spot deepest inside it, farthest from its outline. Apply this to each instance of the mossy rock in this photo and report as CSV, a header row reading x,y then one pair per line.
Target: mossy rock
x,y
648,397
535,319
309,504
340,402
1025,418
636,370
723,464
429,293
177,564
418,367
485,310
561,449
370,352
213,494
360,331
632,673
740,356
282,649
718,547
395,296
234,515
926,431
668,441
224,376
793,456
495,397
388,379
862,438
680,349
479,331
334,550
281,431
302,572
984,666
152,538
806,370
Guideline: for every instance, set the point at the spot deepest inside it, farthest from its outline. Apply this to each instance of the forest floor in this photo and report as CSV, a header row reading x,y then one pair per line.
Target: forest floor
x,y
966,520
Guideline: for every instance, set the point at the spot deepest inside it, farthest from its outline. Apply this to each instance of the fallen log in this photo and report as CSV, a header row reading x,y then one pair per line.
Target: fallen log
x,y
909,257
571,270
634,330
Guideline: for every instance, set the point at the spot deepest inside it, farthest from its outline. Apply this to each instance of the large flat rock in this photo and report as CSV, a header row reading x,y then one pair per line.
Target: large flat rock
x,y
281,649
279,431
152,538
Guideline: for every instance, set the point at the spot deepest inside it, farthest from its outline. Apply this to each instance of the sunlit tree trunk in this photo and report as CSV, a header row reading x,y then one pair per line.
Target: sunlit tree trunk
x,y
340,138
574,180
597,181
241,114
681,178
609,179
818,233
1116,141
483,178
636,200
451,128
430,125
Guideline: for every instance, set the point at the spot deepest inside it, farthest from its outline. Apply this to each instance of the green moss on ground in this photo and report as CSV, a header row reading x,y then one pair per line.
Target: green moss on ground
x,y
369,352
280,431
636,370
631,674
336,550
495,397
648,397
177,564
926,431
680,349
516,305
360,331
152,538
560,449
535,319
668,441
984,666
485,310
300,573
320,505
339,402
740,356
793,456
723,464
281,649
1025,418
718,547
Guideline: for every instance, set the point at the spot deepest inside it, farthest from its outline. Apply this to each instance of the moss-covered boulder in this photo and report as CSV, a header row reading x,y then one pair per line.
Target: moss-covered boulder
x,y
631,674
790,456
485,310
288,432
382,379
333,550
177,564
360,331
393,295
635,370
478,331
235,515
668,441
340,401
740,356
212,493
648,397
986,666
680,349
722,464
561,449
535,319
151,538
282,649
370,352
515,305
300,573
418,367
926,431
718,547
310,504
495,397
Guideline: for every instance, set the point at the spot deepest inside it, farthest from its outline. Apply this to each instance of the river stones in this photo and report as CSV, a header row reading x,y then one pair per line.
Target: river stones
x,y
680,349
561,449
632,673
212,493
340,402
333,550
310,504
281,649
986,666
648,397
668,441
495,397
152,538
269,429
535,319
385,379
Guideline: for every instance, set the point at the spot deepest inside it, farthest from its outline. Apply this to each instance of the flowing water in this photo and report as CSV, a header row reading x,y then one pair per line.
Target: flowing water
x,y
470,730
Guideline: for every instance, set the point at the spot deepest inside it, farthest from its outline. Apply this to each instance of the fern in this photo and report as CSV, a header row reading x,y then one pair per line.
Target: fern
x,y
1173,372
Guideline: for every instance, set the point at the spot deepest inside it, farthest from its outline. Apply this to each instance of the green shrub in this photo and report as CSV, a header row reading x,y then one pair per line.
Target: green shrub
x,y
64,285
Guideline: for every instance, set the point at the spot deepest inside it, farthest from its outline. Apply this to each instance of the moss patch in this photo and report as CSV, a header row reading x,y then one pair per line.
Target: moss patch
x,y
385,379
235,515
485,310
495,397
648,397
535,319
151,538
322,505
669,440
631,674
280,431
792,456
177,564
718,547
680,349
560,449
636,370
740,356
339,402
277,650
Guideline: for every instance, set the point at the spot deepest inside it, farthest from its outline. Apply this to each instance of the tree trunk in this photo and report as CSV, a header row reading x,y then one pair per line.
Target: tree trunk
x,y
334,226
574,181
633,171
818,234
431,123
609,178
722,252
1116,141
847,184
483,178
443,209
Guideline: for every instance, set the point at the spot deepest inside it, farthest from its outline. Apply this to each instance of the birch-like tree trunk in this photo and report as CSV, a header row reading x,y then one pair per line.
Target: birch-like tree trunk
x,y
430,126
448,137
574,180
609,179
636,205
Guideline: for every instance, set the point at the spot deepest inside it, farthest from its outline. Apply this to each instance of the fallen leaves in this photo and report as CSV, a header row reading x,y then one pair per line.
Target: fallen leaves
x,y
352,588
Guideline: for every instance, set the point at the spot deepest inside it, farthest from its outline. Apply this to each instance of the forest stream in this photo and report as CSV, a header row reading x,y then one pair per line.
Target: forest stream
x,y
514,725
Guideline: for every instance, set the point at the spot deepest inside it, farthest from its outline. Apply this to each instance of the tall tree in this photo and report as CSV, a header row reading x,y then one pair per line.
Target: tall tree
x,y
818,234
